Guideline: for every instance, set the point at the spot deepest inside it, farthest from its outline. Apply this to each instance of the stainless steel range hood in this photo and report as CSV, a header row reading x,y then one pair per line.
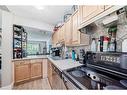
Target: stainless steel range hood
x,y
89,29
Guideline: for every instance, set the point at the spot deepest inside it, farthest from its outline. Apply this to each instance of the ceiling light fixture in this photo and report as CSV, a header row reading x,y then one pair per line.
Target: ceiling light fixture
x,y
39,7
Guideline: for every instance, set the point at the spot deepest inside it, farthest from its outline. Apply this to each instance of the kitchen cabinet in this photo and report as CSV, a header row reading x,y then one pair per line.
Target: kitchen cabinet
x,y
22,71
36,70
25,70
54,77
75,32
45,68
49,72
55,38
68,32
61,34
78,37
89,11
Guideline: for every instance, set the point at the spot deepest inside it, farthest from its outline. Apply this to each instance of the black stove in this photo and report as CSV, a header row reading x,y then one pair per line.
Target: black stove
x,y
99,75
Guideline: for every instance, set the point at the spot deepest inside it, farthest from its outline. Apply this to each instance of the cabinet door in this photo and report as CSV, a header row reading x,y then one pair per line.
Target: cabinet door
x,y
49,72
22,72
36,70
68,33
45,70
62,33
89,11
75,32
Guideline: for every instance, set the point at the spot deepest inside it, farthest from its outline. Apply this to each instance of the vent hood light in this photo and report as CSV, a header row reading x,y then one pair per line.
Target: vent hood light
x,y
39,7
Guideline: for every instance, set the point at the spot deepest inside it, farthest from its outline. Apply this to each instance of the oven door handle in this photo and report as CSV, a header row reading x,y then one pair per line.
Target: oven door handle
x,y
65,83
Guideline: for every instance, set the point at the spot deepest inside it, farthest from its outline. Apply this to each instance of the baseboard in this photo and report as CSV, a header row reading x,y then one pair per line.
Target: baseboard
x,y
8,87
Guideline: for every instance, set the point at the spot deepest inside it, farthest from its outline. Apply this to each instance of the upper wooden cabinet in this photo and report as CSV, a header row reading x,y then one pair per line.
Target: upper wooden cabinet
x,y
75,32
78,37
85,15
68,32
89,11
55,38
61,33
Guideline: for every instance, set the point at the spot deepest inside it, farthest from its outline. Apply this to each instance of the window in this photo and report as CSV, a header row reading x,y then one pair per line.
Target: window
x,y
32,48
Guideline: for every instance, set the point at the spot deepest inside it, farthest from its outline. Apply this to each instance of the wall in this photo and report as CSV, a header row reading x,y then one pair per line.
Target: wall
x,y
7,67
0,18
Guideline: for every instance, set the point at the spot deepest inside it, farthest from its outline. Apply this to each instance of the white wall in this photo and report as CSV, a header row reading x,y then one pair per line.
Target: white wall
x,y
7,34
32,23
0,18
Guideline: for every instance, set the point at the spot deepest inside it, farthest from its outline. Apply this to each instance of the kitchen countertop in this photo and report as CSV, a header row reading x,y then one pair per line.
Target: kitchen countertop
x,y
31,57
61,64
64,64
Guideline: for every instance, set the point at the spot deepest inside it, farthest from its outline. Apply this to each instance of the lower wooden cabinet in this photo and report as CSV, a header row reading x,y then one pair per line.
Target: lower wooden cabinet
x,y
55,80
27,70
22,72
36,70
49,72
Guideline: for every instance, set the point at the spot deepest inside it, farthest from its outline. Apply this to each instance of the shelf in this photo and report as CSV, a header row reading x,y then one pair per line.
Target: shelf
x,y
19,39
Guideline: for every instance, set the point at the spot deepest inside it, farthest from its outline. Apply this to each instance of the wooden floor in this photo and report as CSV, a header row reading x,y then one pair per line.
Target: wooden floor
x,y
40,84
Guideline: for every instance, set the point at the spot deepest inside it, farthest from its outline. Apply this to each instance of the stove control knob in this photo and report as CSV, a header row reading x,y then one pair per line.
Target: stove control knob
x,y
94,77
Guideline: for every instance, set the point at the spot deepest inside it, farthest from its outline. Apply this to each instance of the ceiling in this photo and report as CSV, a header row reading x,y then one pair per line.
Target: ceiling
x,y
50,14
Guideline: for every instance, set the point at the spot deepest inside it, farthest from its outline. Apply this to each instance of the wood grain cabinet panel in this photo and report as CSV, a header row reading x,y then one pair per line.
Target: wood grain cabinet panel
x,y
36,70
89,11
22,72
75,32
68,32
78,38
50,73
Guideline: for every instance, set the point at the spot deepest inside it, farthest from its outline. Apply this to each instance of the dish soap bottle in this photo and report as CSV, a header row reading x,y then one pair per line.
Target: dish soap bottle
x,y
73,55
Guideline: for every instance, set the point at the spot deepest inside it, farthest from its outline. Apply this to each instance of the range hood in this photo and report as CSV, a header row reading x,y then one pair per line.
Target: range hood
x,y
89,29
110,20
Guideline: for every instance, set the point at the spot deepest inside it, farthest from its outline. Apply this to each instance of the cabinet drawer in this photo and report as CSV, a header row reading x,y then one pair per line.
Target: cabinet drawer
x,y
33,61
17,63
39,60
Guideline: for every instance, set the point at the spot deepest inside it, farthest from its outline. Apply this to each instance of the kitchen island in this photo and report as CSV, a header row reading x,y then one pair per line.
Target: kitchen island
x,y
40,66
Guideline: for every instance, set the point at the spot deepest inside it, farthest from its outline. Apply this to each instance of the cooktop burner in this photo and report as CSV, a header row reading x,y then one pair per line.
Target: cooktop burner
x,y
78,73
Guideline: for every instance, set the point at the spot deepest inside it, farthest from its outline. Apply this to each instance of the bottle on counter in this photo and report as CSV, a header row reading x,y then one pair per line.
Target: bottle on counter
x,y
105,44
101,43
112,46
73,54
93,45
98,46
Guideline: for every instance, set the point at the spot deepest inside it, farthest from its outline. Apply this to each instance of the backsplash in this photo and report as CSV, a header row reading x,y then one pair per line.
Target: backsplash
x,y
101,30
